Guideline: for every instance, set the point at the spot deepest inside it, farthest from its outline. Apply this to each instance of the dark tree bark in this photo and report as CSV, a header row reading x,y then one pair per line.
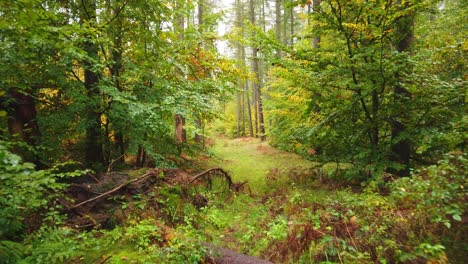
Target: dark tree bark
x,y
93,145
22,117
401,148
115,70
181,135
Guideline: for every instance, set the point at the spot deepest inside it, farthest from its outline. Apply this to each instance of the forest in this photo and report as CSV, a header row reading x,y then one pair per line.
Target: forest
x,y
235,131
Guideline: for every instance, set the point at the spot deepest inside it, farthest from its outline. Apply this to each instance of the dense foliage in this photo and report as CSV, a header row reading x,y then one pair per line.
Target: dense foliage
x,y
95,81
347,98
371,93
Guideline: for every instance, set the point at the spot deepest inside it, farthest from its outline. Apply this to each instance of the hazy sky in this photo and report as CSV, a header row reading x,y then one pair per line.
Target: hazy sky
x,y
223,5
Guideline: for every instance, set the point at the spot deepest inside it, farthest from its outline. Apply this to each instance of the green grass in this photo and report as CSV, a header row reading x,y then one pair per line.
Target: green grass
x,y
249,221
250,160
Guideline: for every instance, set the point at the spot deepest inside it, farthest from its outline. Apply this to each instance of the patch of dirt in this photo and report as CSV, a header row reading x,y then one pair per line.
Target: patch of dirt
x,y
219,255
265,149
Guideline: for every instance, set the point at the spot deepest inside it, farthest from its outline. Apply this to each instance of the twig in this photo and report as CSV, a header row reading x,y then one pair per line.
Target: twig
x,y
110,192
94,178
109,168
104,260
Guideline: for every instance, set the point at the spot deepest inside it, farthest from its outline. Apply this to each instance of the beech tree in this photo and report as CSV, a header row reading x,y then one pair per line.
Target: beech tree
x,y
362,93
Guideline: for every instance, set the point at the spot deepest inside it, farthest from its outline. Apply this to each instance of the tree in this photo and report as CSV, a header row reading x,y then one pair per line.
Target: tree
x,y
401,145
365,98
93,146
256,87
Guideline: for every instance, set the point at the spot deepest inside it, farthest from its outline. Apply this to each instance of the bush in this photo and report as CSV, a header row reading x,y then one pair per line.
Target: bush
x,y
25,192
417,220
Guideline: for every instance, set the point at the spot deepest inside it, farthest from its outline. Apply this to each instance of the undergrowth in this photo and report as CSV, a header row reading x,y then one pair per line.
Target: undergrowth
x,y
287,216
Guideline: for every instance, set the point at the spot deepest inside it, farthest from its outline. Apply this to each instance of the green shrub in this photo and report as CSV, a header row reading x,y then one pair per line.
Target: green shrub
x,y
416,220
24,190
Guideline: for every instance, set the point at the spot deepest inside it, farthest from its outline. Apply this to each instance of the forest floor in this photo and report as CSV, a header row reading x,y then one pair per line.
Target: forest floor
x,y
277,184
249,159
279,207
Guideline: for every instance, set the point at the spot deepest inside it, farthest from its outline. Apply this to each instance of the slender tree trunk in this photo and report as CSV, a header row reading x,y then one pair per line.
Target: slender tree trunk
x,y
115,73
401,148
243,112
259,122
198,120
284,29
278,24
240,81
249,111
180,134
93,145
138,156
291,22
239,111
254,106
316,9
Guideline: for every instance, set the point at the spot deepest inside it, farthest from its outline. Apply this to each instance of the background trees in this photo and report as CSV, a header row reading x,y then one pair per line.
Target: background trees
x,y
351,81
107,77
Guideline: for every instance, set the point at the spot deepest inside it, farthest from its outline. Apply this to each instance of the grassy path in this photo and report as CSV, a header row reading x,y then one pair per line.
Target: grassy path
x,y
248,159
249,222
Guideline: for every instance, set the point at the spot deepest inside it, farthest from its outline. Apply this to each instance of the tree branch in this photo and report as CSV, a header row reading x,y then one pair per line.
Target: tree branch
x,y
110,192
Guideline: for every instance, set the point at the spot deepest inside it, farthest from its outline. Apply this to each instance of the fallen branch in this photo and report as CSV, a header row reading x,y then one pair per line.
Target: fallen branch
x,y
109,168
226,175
104,259
110,192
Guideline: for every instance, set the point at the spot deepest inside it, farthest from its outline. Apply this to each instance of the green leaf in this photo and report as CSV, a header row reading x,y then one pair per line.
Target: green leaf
x,y
456,217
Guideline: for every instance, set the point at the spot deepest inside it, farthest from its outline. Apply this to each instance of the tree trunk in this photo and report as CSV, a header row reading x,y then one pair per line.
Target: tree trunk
x,y
115,70
291,22
256,83
93,145
239,111
243,112
316,9
401,148
198,120
249,110
180,134
278,24
22,122
22,117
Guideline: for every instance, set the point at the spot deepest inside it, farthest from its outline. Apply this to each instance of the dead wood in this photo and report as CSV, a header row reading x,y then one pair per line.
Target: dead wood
x,y
104,259
92,177
213,170
239,187
110,192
